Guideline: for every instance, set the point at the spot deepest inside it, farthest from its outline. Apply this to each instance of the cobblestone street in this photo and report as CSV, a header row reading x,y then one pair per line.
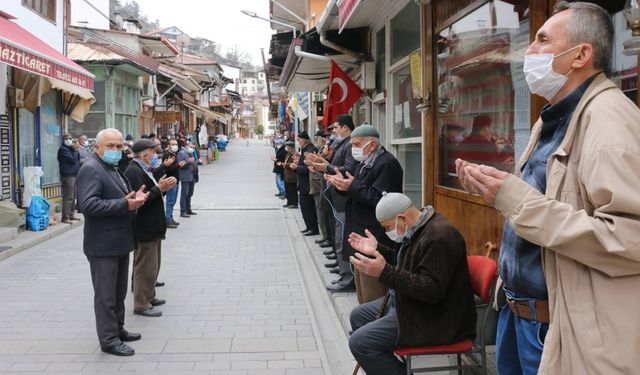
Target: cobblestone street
x,y
236,301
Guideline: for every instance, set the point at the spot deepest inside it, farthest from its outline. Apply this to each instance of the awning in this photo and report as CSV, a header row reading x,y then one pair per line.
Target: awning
x,y
206,112
23,50
77,100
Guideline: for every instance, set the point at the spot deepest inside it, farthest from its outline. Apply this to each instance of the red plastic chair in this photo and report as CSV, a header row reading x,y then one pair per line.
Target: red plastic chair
x,y
482,273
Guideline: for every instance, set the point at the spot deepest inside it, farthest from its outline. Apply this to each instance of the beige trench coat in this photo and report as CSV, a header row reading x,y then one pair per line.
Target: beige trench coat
x,y
589,226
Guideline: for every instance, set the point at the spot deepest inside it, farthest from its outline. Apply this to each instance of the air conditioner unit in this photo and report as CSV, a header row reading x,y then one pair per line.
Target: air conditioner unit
x,y
16,97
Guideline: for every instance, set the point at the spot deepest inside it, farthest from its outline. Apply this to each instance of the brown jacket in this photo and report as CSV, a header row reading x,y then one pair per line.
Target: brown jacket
x,y
588,224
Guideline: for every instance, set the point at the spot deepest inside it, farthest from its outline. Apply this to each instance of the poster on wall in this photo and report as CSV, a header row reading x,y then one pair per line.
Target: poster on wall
x,y
5,158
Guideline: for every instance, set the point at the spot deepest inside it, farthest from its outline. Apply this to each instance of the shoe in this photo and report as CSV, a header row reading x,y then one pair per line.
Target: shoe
x,y
278,195
192,213
171,225
341,288
184,215
336,281
149,313
328,252
158,302
74,218
320,240
293,206
174,222
120,349
331,265
335,270
66,221
332,256
283,197
326,244
159,283
129,336
311,233
304,231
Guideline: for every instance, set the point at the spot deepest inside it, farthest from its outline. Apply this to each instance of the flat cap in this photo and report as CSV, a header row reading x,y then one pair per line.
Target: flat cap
x,y
365,130
289,143
392,204
303,135
143,144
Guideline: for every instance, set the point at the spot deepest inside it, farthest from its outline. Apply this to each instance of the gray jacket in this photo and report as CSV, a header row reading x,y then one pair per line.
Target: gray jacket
x,y
186,172
344,161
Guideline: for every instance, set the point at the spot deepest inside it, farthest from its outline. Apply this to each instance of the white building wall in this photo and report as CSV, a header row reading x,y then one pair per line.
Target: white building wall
x,y
85,16
49,32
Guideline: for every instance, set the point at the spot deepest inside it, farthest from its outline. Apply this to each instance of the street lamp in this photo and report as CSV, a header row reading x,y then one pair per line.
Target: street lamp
x,y
255,15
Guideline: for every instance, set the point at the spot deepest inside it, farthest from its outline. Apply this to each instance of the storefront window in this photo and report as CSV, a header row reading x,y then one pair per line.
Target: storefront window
x,y
50,136
483,113
405,32
410,157
624,69
27,139
406,119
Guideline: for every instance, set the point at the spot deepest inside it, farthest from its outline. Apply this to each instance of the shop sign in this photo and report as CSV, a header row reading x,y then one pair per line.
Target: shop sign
x,y
166,117
38,65
5,158
346,9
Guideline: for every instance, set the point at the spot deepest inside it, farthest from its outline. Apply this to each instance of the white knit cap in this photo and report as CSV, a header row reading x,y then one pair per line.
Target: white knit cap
x,y
392,204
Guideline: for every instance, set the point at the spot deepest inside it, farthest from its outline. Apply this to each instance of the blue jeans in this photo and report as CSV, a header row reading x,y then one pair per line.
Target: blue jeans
x,y
519,344
172,197
280,184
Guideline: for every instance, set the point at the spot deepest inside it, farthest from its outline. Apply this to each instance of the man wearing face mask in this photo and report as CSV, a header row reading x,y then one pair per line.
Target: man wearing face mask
x,y
109,206
170,167
85,153
150,227
185,170
430,296
307,204
377,171
69,164
569,253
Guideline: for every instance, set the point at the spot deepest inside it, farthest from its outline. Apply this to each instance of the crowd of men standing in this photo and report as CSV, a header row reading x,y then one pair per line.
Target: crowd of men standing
x,y
126,191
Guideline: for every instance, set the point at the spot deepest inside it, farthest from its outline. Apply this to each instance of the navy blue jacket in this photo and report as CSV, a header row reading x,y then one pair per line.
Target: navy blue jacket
x,y
69,161
304,185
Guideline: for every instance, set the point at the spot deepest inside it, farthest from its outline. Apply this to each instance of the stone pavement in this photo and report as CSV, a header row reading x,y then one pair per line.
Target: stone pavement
x,y
237,300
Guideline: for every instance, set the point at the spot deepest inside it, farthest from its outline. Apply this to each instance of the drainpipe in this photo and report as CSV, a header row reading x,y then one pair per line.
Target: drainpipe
x,y
320,27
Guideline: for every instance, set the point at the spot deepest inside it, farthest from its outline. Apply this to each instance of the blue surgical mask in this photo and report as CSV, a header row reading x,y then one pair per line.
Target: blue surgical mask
x,y
112,157
154,161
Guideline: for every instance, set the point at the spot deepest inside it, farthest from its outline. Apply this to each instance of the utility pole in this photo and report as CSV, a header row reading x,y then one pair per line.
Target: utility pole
x,y
266,77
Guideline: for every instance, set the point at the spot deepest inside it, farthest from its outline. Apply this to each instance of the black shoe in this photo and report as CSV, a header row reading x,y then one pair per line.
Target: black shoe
x,y
184,215
278,195
158,302
332,256
331,265
311,233
174,222
341,288
304,231
328,252
326,244
336,281
171,226
129,336
159,283
192,213
335,270
320,240
293,206
120,349
283,197
149,313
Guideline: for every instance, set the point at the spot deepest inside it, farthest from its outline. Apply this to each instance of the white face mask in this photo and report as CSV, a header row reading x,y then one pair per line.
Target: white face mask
x,y
358,152
68,142
393,234
542,80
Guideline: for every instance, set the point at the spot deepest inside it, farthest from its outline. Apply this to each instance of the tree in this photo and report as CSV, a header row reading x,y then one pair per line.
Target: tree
x,y
235,57
131,9
260,130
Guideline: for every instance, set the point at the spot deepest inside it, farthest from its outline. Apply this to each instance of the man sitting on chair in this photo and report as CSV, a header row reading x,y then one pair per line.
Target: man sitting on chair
x,y
430,298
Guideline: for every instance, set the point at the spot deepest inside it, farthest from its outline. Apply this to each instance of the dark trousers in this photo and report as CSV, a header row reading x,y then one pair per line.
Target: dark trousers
x,y
372,341
344,266
109,277
68,196
186,191
291,188
308,208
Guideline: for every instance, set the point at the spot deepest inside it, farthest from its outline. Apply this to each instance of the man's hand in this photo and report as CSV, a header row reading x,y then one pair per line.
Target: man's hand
x,y
165,183
135,199
481,179
367,260
181,163
320,165
293,166
273,158
342,184
168,161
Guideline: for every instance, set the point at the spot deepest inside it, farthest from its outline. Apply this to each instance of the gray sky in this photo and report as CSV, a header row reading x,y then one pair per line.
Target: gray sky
x,y
217,20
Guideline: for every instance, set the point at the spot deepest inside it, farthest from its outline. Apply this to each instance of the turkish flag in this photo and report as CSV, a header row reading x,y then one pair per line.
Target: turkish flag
x,y
343,93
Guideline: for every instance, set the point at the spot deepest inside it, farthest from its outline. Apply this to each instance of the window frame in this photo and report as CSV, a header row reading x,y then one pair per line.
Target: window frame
x,y
36,6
